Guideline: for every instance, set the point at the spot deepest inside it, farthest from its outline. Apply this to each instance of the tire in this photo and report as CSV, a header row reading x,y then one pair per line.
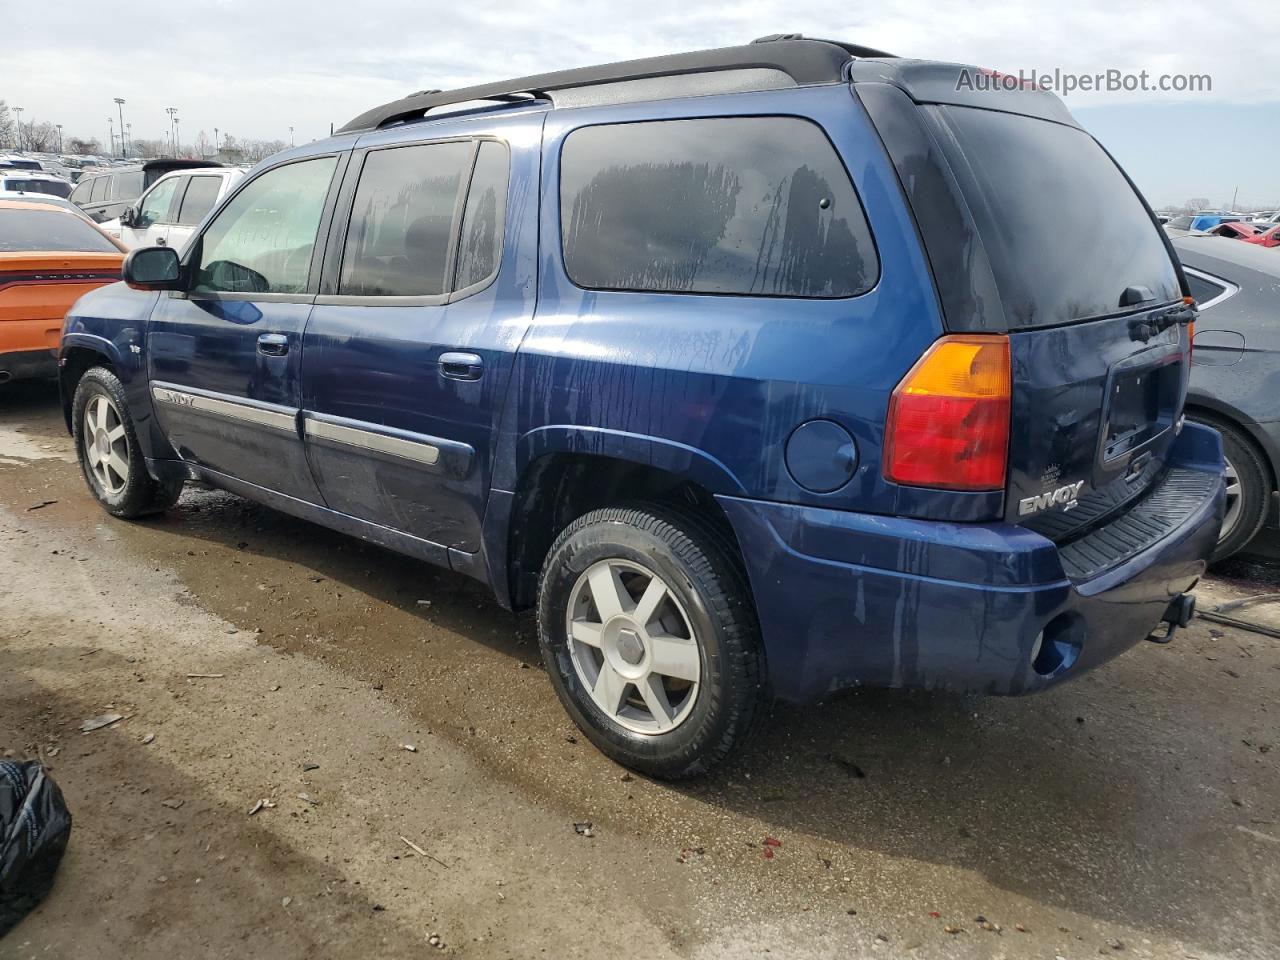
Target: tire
x,y
1248,488
706,687
114,467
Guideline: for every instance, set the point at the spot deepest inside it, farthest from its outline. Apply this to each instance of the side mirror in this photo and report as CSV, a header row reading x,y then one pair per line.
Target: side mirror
x,y
153,268
127,217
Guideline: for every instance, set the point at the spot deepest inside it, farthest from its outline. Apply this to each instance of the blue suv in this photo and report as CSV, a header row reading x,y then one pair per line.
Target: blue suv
x,y
753,370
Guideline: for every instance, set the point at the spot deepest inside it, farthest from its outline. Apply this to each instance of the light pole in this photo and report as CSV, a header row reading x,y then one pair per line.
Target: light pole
x,y
129,129
59,126
291,136
111,134
173,142
215,142
18,111
120,108
177,140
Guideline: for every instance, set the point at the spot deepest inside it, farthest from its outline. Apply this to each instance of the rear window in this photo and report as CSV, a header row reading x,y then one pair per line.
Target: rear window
x,y
730,205
127,186
201,195
49,230
1063,229
52,188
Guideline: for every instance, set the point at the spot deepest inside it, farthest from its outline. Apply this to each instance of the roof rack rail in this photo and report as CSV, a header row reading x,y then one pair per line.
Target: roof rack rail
x,y
802,60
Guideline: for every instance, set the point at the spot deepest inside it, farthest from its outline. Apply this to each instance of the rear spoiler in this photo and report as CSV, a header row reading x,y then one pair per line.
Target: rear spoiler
x,y
956,84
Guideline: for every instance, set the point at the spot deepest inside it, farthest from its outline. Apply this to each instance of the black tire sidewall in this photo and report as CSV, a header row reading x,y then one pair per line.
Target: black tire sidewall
x,y
1252,475
681,751
138,494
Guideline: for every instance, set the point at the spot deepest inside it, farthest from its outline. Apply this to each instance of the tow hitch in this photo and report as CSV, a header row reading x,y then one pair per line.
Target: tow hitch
x,y
1178,614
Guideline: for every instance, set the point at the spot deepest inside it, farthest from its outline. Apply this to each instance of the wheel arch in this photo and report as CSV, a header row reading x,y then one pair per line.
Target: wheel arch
x,y
1210,410
79,354
559,486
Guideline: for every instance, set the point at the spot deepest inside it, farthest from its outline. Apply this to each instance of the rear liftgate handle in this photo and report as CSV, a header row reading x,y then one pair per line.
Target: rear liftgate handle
x,y
461,366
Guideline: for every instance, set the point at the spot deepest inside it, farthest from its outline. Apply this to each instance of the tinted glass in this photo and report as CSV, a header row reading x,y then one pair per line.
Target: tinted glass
x,y
49,230
261,242
201,195
745,205
1064,230
481,241
100,187
155,207
1203,290
402,221
51,188
127,186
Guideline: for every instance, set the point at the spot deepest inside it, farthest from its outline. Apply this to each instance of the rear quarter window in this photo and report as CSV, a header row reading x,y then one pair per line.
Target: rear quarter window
x,y
731,205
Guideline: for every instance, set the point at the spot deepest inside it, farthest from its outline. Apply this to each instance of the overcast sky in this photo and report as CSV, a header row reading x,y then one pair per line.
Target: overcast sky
x,y
255,69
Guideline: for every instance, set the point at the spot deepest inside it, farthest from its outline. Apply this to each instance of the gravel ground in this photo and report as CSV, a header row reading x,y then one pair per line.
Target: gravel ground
x,y
1138,806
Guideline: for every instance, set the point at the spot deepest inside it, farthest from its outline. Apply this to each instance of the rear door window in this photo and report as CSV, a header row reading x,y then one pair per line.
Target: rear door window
x,y
201,195
101,186
730,205
482,224
1064,230
127,186
403,220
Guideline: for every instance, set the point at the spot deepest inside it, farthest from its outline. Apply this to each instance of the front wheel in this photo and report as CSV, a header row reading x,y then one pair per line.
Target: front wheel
x,y
650,638
107,447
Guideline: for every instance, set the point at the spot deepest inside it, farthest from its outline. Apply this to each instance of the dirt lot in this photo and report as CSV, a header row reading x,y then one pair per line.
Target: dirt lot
x,y
1135,812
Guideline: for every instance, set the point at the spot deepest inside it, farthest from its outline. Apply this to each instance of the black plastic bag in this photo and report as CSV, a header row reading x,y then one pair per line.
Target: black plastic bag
x,y
34,828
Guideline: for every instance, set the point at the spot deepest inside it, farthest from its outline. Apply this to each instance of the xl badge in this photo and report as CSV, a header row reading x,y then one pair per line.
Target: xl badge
x,y
1062,497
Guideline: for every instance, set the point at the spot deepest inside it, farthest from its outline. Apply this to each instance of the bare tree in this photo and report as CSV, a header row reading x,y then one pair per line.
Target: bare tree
x,y
80,147
40,137
8,137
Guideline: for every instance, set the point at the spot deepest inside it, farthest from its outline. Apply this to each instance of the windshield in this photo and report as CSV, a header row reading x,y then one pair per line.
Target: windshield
x,y
53,188
1065,232
22,230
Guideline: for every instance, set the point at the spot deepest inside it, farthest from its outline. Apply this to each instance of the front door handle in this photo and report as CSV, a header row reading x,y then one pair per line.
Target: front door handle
x,y
273,345
461,366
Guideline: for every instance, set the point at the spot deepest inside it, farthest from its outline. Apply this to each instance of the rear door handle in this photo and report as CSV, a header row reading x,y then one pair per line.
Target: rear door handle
x,y
461,366
273,345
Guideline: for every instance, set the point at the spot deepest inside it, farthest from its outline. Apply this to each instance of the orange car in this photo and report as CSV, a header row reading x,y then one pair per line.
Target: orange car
x,y
48,258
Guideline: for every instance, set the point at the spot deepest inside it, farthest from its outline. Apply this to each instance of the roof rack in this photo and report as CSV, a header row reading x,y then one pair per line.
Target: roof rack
x,y
802,60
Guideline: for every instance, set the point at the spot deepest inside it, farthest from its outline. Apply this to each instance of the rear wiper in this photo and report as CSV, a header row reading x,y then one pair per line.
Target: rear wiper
x,y
1147,325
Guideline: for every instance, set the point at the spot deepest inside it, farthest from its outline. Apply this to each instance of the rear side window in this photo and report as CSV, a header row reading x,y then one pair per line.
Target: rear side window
x,y
22,230
731,205
403,220
100,188
1063,229
127,186
1203,289
201,195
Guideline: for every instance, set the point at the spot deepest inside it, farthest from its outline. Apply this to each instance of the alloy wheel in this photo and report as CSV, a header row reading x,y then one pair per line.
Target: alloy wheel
x,y
633,646
1235,500
106,447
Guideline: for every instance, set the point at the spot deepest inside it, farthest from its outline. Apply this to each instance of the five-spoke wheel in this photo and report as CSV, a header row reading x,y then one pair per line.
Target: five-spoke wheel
x,y
633,646
106,448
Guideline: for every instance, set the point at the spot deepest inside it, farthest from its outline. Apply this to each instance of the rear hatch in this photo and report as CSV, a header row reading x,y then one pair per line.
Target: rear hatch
x,y
1034,232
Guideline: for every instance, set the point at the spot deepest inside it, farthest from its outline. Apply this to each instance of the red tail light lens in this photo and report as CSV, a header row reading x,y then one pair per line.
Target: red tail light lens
x,y
948,423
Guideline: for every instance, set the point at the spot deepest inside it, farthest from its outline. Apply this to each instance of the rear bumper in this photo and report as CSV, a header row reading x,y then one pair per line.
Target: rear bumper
x,y
28,365
849,599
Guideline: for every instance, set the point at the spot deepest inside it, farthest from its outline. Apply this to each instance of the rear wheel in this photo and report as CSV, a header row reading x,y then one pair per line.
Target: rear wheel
x,y
108,450
1248,487
650,638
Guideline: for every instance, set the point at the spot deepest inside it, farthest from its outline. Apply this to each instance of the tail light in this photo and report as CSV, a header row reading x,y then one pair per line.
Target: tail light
x,y
948,424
